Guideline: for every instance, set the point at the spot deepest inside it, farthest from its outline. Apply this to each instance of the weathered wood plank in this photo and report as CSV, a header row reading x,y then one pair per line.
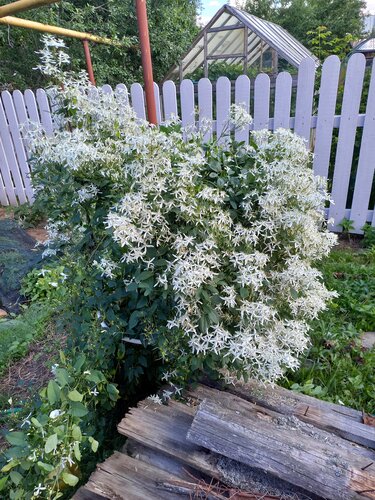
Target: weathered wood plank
x,y
341,420
284,447
305,92
164,428
123,477
306,413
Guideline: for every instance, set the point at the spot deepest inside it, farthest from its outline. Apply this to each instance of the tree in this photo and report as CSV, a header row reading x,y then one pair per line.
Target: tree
x,y
299,17
172,25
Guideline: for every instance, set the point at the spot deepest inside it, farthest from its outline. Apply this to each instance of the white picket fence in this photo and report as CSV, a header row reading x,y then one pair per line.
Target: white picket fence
x,y
17,108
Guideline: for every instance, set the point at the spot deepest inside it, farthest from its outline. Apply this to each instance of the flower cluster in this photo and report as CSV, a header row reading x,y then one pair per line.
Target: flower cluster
x,y
218,240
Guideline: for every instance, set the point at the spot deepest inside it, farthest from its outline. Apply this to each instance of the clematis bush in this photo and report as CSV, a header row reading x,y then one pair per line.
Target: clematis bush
x,y
199,254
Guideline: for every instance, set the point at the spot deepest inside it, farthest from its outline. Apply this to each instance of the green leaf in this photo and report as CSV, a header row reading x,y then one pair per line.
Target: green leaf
x,y
76,433
45,467
53,392
79,362
75,395
7,467
94,444
3,482
112,392
51,443
16,438
133,320
69,479
36,422
62,377
77,452
78,409
16,477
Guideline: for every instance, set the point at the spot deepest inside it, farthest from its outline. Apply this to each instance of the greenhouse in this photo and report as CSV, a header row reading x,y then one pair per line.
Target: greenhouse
x,y
235,37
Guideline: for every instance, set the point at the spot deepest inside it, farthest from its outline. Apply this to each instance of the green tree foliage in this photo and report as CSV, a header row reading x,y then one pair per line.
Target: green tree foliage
x,y
172,28
324,43
301,16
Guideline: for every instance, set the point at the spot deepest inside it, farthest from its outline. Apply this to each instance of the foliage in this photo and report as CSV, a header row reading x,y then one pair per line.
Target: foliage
x,y
347,226
172,25
45,285
16,333
323,43
336,367
45,454
27,215
368,236
301,16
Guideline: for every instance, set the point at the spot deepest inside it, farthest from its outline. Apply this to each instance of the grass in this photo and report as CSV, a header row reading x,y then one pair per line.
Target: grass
x,y
17,333
336,367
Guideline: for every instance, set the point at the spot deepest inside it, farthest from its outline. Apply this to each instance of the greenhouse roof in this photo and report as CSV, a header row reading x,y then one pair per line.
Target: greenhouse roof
x,y
237,37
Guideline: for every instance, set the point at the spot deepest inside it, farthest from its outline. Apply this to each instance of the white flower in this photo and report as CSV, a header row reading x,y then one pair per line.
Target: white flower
x,y
94,391
55,414
39,489
155,399
54,368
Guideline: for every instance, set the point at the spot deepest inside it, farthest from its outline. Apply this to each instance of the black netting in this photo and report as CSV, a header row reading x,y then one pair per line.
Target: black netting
x,y
17,256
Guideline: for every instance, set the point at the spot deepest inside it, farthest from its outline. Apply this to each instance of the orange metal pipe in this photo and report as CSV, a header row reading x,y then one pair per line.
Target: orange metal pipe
x,y
148,78
90,70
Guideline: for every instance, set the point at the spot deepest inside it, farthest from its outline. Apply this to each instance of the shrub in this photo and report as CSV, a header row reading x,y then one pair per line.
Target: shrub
x,y
206,249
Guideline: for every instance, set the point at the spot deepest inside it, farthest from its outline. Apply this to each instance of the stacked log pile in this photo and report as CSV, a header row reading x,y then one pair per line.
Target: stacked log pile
x,y
244,442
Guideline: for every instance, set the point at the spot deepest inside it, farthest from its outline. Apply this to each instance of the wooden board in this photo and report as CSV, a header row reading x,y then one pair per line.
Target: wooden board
x,y
284,447
123,477
341,420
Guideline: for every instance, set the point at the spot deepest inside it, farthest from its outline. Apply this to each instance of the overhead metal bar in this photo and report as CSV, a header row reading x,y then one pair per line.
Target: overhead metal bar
x,y
55,30
22,5
225,56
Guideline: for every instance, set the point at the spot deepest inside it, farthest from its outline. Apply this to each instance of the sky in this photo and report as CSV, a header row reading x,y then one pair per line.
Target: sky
x,y
210,7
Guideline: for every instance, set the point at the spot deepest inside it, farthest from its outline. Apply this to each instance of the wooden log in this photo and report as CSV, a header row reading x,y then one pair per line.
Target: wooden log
x,y
202,392
122,477
282,447
341,420
164,428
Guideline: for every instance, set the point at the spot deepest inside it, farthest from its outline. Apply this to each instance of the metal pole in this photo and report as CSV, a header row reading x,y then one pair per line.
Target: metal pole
x,y
22,5
55,30
90,71
144,39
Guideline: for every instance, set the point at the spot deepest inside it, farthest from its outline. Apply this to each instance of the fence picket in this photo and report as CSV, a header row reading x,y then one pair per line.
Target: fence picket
x,y
261,101
242,98
187,105
9,165
157,103
122,90
205,107
170,100
20,163
305,93
107,89
31,106
4,191
223,91
347,132
366,166
44,111
283,98
326,114
138,100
